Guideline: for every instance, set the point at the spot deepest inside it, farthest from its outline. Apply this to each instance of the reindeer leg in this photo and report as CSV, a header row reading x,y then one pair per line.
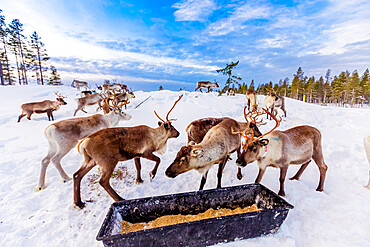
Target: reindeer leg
x,y
138,170
260,175
29,116
104,181
77,177
203,181
300,171
239,175
368,184
20,117
56,161
319,160
44,165
157,160
83,110
221,167
283,171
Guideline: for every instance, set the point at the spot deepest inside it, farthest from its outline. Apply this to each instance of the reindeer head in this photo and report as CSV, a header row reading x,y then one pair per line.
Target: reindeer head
x,y
252,146
185,161
60,99
172,132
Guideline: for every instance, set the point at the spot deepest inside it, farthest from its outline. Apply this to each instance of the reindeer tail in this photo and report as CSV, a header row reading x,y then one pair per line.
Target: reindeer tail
x,y
81,145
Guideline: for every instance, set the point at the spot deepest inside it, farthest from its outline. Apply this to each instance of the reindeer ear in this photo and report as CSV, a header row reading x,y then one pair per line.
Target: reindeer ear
x,y
263,142
159,123
196,152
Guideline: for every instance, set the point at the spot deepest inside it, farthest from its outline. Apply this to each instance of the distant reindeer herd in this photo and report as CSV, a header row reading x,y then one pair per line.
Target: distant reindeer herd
x,y
210,141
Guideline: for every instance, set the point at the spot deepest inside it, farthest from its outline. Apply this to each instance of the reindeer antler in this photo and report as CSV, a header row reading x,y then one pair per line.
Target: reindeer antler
x,y
250,117
277,124
169,120
59,95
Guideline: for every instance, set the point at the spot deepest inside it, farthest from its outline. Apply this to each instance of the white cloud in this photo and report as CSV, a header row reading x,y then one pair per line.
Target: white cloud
x,y
236,20
194,10
279,41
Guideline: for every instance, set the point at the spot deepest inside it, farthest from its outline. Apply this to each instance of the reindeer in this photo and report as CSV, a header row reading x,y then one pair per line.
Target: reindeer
x,y
279,149
87,93
215,148
64,135
367,149
88,100
197,129
206,84
47,106
273,100
110,88
78,84
251,98
109,146
124,97
230,92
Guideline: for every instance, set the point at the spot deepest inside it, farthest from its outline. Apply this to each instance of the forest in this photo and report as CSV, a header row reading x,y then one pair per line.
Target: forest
x,y
23,57
345,89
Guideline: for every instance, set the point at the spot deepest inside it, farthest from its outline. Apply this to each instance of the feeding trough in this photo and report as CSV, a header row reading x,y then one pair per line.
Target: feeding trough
x,y
272,213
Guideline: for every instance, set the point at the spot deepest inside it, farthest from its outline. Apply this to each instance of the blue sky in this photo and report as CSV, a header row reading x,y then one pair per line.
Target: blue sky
x,y
146,44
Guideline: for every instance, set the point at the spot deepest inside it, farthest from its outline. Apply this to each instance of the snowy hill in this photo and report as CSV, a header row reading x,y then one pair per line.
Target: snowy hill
x,y
337,217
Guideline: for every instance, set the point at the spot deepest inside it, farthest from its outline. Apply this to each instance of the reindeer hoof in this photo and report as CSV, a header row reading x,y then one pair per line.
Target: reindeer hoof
x,y
318,189
151,175
79,205
239,176
38,188
139,181
294,178
281,193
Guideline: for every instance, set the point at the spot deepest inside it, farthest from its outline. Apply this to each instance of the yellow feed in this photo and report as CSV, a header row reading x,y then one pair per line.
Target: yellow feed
x,y
167,220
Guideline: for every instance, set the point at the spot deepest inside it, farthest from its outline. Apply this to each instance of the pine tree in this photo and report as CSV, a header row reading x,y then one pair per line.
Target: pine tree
x,y
54,77
296,87
309,88
39,57
6,73
364,85
17,46
232,79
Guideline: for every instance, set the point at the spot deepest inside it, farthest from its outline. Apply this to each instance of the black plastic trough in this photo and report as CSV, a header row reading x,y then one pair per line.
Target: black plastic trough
x,y
201,232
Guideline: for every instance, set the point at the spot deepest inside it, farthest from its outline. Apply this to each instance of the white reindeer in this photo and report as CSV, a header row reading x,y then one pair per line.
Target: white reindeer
x,y
64,135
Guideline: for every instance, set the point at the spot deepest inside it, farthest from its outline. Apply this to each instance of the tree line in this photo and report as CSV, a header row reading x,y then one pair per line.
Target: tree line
x,y
343,89
23,57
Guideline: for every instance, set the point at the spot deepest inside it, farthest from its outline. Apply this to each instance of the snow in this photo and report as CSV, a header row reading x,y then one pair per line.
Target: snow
x,y
339,216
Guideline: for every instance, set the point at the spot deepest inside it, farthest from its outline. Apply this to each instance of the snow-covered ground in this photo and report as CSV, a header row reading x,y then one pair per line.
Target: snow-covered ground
x,y
340,216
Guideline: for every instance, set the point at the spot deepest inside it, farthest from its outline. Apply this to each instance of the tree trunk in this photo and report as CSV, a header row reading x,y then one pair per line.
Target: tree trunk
x,y
22,60
1,73
7,62
38,55
16,61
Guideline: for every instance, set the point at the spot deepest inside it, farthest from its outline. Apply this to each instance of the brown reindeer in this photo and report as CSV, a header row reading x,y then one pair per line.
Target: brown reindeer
x,y
230,92
279,149
206,84
109,146
215,148
64,135
47,106
251,98
124,97
197,129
